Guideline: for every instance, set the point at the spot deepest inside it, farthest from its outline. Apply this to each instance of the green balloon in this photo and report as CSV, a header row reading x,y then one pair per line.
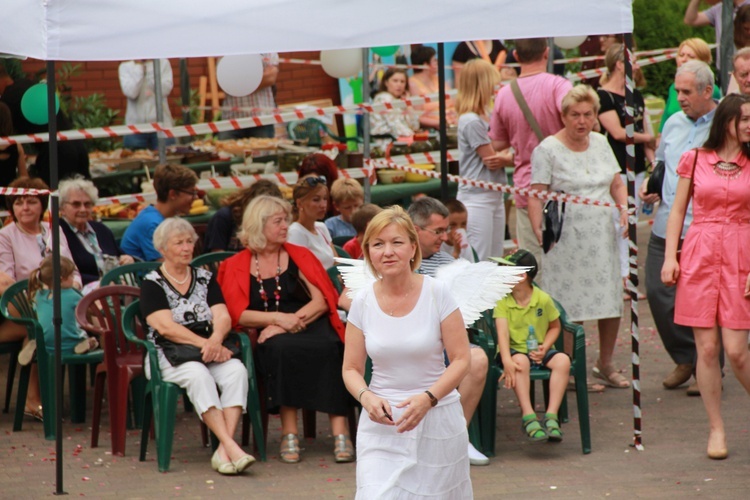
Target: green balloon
x,y
34,104
385,51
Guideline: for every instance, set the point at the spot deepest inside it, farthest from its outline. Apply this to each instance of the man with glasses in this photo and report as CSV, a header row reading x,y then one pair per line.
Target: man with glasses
x,y
430,218
175,193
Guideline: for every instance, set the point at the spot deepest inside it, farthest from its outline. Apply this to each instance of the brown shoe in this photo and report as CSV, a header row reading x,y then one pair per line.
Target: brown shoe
x,y
679,376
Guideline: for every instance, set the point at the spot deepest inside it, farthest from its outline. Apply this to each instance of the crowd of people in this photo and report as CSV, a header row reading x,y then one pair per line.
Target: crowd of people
x,y
399,348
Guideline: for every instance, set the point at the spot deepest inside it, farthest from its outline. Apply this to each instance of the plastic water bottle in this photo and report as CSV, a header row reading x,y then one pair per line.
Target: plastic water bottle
x,y
532,344
647,208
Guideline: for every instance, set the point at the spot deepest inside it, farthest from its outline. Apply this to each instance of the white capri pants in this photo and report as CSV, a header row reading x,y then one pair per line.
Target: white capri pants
x,y
216,385
623,243
485,222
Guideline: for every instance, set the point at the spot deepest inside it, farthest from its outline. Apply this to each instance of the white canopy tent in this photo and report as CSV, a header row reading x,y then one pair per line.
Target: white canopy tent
x,y
97,30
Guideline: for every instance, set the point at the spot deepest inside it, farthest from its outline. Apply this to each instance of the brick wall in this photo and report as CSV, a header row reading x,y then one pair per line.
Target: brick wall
x,y
295,83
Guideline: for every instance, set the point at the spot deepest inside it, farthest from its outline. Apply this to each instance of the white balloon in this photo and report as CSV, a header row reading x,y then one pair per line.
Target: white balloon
x,y
569,42
239,75
341,63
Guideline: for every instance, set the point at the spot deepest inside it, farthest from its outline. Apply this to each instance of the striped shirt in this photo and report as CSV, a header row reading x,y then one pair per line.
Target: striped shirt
x,y
431,264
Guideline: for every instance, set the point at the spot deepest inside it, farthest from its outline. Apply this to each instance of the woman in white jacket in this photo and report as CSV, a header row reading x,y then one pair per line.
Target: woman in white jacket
x,y
137,83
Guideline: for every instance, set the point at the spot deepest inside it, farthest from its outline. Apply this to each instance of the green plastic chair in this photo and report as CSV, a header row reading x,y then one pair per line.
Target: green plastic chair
x,y
486,412
341,240
129,274
11,348
311,130
340,252
210,261
161,396
18,295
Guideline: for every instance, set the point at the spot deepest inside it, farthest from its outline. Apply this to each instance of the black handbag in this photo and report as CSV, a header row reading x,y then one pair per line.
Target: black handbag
x,y
656,179
553,224
178,354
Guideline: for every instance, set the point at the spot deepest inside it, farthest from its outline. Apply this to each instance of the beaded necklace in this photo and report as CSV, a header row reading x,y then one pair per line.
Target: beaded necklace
x,y
277,290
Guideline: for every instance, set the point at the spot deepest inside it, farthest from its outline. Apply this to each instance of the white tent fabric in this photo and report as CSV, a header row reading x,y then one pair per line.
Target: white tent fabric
x,y
93,30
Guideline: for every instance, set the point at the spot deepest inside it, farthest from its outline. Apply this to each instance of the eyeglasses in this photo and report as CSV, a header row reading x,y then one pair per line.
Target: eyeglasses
x,y
314,181
79,204
436,232
194,192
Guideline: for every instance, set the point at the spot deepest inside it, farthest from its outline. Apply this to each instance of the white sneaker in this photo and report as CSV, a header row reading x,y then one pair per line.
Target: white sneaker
x,y
476,457
26,354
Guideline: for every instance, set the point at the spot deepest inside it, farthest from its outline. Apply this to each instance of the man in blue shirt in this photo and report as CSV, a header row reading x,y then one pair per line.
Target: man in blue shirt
x,y
175,192
683,131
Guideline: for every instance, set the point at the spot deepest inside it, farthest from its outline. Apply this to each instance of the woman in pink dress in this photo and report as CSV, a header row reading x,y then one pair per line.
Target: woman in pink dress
x,y
713,272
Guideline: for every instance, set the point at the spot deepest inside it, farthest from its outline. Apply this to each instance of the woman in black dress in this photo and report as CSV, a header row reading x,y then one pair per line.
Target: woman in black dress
x,y
283,291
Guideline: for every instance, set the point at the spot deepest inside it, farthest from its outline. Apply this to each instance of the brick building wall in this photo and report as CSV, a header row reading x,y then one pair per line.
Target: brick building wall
x,y
295,83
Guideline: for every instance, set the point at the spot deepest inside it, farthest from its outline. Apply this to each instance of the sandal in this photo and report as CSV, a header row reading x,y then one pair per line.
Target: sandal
x,y
590,387
35,413
343,449
610,376
552,427
533,429
289,449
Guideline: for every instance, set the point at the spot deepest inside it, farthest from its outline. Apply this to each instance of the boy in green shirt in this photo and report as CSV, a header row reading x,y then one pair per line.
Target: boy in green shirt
x,y
528,306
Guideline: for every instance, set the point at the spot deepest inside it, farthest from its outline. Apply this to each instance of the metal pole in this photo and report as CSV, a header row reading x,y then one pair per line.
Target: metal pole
x,y
726,43
159,110
551,58
443,124
185,91
633,244
366,117
56,307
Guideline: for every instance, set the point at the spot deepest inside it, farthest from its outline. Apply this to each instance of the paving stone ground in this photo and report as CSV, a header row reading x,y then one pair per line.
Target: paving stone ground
x,y
672,465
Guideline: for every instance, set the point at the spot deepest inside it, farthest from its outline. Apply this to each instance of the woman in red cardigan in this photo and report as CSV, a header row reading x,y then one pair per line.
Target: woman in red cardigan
x,y
283,291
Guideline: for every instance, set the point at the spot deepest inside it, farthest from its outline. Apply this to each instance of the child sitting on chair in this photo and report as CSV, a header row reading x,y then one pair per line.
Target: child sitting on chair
x,y
347,197
525,307
457,242
73,338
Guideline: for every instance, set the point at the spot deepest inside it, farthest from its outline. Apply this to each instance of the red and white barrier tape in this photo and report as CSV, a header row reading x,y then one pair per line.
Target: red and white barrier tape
x,y
224,125
591,73
503,188
22,191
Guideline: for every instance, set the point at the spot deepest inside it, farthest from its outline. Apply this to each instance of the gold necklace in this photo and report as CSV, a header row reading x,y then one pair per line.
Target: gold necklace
x,y
187,276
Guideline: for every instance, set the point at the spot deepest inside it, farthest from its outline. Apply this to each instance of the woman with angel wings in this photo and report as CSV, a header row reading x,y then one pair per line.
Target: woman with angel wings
x,y
412,437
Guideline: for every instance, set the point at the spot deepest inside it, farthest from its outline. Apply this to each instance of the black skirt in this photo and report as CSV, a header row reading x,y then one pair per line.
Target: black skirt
x,y
300,370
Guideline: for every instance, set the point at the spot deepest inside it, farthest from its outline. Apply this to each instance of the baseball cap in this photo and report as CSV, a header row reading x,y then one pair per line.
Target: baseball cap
x,y
522,258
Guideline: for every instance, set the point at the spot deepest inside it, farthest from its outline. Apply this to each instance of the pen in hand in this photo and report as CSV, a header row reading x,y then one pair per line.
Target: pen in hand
x,y
386,414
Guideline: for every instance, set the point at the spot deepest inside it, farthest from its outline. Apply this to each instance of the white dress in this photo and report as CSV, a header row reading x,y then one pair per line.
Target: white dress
x,y
431,460
582,270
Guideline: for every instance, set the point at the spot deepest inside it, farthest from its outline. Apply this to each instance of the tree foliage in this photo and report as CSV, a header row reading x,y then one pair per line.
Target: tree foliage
x,y
658,25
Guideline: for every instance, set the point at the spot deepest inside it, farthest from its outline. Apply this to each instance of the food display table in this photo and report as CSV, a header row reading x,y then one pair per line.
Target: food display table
x,y
125,178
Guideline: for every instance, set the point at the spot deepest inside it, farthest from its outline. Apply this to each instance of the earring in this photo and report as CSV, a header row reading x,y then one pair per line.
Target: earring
x,y
412,259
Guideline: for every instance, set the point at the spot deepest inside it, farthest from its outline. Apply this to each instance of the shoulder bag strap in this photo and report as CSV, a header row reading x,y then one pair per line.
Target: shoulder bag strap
x,y
526,111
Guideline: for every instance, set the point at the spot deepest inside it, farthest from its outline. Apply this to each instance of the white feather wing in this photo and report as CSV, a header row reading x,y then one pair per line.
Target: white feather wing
x,y
356,275
478,286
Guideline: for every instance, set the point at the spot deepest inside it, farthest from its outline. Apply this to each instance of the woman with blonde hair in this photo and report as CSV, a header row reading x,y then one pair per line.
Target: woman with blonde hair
x,y
689,49
282,291
478,160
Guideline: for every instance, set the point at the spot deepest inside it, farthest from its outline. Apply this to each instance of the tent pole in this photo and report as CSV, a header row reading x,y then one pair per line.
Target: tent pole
x,y
633,244
159,110
56,307
726,43
366,117
443,122
551,58
185,91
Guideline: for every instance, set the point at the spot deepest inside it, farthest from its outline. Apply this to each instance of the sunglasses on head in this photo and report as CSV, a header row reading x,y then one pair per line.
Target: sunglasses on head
x,y
314,181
